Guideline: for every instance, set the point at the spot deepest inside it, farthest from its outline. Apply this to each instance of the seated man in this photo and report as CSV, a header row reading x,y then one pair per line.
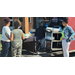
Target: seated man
x,y
40,32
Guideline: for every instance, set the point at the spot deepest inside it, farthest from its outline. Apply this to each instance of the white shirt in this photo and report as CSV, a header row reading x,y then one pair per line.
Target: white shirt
x,y
7,30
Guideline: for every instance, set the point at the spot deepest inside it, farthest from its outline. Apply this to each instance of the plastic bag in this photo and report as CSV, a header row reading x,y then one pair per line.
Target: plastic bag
x,y
52,29
56,29
30,34
24,35
27,35
49,38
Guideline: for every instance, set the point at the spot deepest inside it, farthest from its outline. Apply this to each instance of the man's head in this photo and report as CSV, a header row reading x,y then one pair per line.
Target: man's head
x,y
65,21
7,21
43,23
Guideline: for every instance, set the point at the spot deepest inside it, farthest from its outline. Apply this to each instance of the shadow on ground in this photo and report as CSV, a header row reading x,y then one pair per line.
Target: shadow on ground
x,y
40,53
61,55
45,53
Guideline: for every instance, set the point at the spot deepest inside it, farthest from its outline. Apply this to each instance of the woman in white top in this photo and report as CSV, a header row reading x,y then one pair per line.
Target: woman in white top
x,y
5,39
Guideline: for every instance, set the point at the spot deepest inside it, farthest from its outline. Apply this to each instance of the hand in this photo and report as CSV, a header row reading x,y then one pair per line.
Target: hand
x,y
69,38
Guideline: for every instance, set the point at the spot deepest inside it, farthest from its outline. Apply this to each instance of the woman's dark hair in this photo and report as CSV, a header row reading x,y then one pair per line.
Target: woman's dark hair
x,y
7,20
17,23
65,19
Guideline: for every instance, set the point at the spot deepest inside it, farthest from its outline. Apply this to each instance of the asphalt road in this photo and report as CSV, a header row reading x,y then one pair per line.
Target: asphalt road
x,y
43,53
61,55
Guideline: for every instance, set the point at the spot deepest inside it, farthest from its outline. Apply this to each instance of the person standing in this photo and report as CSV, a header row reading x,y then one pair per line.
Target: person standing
x,y
16,40
68,36
5,39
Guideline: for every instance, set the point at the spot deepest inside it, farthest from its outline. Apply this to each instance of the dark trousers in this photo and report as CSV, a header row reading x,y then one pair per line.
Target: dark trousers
x,y
5,48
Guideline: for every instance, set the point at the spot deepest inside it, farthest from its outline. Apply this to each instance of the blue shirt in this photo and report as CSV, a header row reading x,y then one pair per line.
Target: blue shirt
x,y
69,33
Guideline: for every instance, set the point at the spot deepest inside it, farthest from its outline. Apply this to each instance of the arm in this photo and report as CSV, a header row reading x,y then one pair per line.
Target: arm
x,y
23,36
11,37
7,36
72,32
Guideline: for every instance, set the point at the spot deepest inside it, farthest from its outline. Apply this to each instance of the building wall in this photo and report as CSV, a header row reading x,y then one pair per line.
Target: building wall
x,y
31,24
2,23
23,23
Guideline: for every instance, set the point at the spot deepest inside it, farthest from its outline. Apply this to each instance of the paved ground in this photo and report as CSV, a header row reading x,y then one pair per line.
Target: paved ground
x,y
45,54
27,53
42,53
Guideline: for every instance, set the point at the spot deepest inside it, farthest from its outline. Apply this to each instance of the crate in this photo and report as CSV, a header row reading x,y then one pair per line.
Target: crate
x,y
55,44
57,36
